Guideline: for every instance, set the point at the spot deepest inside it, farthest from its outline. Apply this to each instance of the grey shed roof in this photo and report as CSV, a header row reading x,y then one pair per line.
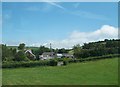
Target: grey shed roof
x,y
48,53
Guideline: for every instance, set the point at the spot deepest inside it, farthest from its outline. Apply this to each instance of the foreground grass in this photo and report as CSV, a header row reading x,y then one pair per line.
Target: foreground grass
x,y
0,77
101,72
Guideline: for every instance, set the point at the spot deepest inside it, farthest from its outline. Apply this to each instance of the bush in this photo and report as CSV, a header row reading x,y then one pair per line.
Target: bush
x,y
65,62
53,62
8,59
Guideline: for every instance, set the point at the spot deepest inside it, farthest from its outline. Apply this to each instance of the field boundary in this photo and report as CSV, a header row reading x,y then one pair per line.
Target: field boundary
x,y
54,61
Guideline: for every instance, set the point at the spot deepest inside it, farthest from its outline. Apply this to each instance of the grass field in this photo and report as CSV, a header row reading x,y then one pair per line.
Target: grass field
x,y
101,72
30,47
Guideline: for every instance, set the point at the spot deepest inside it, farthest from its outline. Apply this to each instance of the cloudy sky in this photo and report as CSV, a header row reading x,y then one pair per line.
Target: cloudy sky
x,y
63,24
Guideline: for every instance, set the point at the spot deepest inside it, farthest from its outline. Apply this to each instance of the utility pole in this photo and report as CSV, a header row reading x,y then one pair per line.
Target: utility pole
x,y
50,47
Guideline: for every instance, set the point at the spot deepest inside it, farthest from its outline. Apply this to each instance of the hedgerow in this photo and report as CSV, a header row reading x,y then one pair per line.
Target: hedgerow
x,y
53,62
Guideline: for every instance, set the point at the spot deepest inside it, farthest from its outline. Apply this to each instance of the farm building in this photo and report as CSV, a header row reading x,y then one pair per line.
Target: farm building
x,y
30,55
51,55
47,55
67,55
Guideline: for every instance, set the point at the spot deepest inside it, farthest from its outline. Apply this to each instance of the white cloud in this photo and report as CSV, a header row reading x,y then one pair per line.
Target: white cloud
x,y
77,37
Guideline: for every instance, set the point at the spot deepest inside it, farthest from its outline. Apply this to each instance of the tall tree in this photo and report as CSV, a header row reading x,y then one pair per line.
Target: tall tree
x,y
6,53
77,50
21,46
20,56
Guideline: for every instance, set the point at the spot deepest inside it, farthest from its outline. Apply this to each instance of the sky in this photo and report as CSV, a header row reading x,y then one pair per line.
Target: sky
x,y
64,24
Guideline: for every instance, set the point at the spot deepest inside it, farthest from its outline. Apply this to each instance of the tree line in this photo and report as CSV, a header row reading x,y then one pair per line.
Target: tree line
x,y
18,54
97,48
91,49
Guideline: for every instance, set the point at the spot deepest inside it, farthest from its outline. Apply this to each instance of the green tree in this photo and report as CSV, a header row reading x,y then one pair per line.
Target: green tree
x,y
20,56
6,53
14,51
62,50
77,50
21,46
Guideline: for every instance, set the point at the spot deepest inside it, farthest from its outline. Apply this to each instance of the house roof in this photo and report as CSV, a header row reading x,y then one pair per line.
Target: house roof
x,y
48,53
66,54
29,52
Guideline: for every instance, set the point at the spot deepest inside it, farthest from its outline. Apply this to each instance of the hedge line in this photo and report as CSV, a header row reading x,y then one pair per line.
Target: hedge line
x,y
101,57
53,62
67,60
95,58
29,64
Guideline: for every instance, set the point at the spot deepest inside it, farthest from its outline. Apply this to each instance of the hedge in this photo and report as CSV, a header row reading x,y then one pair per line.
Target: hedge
x,y
90,58
97,58
53,62
25,64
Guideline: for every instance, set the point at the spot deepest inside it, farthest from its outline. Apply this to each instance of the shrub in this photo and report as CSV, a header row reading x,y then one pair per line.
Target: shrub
x,y
65,62
53,62
8,59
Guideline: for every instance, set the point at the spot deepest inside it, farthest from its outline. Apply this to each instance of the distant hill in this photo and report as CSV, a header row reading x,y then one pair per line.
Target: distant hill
x,y
13,47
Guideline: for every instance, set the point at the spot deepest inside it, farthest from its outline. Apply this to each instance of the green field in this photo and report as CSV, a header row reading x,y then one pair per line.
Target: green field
x,y
28,47
101,72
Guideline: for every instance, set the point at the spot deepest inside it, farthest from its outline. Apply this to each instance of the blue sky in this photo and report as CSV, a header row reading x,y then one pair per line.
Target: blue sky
x,y
63,24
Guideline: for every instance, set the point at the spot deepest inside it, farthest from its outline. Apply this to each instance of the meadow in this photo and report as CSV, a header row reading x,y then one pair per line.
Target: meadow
x,y
100,72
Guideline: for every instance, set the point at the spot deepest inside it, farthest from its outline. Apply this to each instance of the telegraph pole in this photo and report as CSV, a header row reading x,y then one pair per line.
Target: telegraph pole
x,y
50,47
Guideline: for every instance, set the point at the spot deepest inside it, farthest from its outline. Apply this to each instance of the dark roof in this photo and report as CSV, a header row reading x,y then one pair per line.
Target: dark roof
x,y
66,54
48,53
